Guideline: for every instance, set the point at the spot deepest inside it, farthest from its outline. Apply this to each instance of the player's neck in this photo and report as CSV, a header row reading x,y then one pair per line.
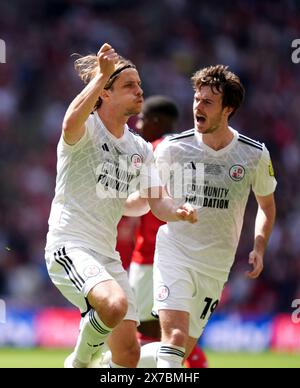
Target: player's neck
x,y
113,122
218,139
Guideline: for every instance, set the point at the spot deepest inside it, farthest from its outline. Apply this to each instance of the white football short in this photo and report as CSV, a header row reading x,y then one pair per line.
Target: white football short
x,y
76,270
184,289
141,281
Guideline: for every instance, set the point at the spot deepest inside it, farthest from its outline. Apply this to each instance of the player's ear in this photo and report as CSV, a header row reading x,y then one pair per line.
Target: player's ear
x,y
228,110
104,94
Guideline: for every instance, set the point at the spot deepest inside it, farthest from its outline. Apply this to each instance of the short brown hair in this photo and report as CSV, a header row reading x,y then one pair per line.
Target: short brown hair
x,y
87,68
218,77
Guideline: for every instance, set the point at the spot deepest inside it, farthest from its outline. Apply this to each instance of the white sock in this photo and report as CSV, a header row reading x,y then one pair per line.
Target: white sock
x,y
93,333
170,356
148,355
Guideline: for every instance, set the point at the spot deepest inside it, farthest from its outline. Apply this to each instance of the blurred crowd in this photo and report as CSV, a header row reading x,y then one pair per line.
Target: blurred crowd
x,y
168,40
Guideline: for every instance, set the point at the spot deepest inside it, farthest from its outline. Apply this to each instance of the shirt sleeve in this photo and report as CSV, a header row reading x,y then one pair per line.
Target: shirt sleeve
x,y
163,161
264,182
89,129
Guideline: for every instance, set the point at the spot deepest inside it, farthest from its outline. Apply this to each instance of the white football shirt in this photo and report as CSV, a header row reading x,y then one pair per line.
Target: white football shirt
x,y
218,184
94,178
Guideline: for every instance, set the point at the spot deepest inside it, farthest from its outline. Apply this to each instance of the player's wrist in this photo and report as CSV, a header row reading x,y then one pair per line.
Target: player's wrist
x,y
259,248
178,215
101,78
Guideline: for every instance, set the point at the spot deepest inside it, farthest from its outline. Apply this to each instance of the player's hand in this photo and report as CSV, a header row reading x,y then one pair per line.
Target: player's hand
x,y
187,213
256,260
107,58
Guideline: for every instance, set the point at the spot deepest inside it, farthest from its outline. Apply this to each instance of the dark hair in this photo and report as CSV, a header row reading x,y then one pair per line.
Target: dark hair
x,y
224,81
161,105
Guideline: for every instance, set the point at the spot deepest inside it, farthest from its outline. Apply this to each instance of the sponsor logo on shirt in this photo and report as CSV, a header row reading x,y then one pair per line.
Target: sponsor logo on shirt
x,y
116,178
213,169
207,196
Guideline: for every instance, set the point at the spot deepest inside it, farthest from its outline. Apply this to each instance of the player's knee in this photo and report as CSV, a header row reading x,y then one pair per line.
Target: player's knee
x,y
118,307
113,310
178,337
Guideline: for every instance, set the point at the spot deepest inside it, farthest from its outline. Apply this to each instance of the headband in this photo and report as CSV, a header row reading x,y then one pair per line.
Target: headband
x,y
119,71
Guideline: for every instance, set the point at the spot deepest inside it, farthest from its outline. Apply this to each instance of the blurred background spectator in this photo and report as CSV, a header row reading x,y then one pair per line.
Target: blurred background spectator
x,y
168,40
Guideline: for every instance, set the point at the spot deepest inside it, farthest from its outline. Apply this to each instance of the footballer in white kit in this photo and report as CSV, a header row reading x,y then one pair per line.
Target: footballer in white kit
x,y
218,184
100,163
94,179
214,168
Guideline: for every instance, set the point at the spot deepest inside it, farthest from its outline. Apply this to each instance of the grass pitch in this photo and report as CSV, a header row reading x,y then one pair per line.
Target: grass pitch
x,y
54,358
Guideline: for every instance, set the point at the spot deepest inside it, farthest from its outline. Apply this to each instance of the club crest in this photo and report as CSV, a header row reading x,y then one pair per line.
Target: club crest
x,y
162,293
237,172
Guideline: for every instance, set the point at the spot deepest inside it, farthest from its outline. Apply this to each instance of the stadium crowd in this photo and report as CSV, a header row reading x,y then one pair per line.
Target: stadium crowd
x,y
167,40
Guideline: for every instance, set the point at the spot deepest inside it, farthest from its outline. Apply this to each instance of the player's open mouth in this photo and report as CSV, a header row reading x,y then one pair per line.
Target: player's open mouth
x,y
200,119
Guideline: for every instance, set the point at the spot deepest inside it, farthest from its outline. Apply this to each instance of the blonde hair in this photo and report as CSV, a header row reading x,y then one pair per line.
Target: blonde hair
x,y
87,67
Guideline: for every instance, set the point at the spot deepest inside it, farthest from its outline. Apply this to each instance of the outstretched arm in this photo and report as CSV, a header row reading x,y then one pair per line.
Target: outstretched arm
x,y
83,104
136,206
264,222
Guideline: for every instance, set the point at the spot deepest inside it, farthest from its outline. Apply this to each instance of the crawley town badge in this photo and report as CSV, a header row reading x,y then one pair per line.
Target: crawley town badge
x,y
237,172
136,161
91,270
162,293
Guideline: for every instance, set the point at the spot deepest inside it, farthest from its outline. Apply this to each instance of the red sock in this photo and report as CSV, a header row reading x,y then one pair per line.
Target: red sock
x,y
197,359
